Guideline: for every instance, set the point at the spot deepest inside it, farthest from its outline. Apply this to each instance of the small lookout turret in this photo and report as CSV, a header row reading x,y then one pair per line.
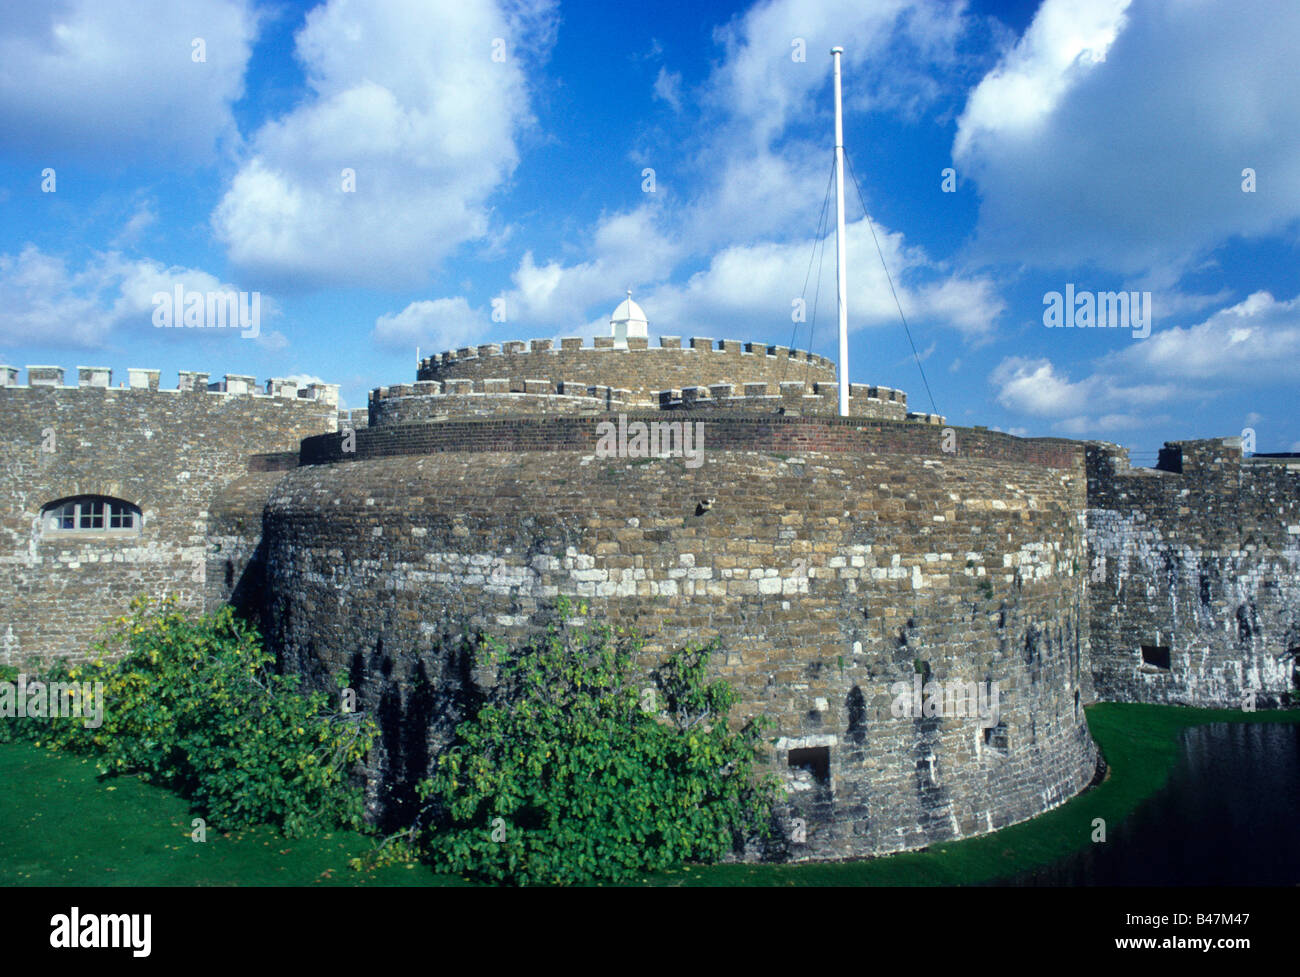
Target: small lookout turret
x,y
628,320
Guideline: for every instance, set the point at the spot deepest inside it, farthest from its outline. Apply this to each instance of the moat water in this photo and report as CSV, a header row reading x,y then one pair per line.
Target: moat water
x,y
1229,815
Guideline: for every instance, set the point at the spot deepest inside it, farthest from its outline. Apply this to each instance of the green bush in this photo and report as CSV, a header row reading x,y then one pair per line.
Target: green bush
x,y
575,771
193,704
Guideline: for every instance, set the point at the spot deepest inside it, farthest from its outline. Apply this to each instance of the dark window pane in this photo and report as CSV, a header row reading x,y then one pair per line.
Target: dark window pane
x,y
92,514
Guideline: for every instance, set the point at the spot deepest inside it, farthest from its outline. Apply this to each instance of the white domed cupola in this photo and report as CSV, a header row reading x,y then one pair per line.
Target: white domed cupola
x,y
628,320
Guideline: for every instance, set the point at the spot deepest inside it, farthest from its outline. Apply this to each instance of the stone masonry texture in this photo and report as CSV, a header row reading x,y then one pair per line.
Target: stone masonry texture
x,y
835,560
167,452
1198,561
830,570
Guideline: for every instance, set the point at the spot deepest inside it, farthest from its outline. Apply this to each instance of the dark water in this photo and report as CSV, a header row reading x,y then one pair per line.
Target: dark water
x,y
1230,815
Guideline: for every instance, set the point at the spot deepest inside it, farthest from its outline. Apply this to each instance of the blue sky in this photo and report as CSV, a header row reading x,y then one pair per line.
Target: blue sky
x,y
499,151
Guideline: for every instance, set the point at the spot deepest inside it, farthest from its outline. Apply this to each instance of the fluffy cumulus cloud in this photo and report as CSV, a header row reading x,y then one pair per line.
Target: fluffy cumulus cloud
x,y
1117,134
98,78
763,86
42,297
764,164
753,288
422,104
629,249
1033,386
1256,341
749,289
433,325
734,254
1036,388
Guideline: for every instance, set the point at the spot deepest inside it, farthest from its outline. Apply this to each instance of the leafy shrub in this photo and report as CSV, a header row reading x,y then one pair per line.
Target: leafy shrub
x,y
192,704
571,771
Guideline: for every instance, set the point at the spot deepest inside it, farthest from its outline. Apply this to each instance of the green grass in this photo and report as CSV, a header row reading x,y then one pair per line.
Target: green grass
x,y
61,825
1141,746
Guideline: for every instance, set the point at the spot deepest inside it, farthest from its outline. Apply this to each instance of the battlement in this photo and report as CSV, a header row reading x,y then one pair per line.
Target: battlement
x,y
188,382
636,366
793,397
1201,456
724,347
498,397
462,398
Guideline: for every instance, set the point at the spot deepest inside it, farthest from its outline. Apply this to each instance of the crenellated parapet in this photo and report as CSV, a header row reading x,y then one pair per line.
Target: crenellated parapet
x,y
188,382
431,400
500,397
794,397
636,366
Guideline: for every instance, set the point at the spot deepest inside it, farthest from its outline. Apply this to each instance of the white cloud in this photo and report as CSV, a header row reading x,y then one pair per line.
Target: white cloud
x,y
762,87
1256,340
407,96
272,341
143,217
668,88
1085,425
1032,386
752,286
745,236
746,287
1066,39
303,379
1135,162
43,300
433,325
1248,345
95,78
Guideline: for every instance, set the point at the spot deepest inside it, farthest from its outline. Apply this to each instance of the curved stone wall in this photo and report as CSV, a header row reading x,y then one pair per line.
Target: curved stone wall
x,y
637,367
828,577
389,409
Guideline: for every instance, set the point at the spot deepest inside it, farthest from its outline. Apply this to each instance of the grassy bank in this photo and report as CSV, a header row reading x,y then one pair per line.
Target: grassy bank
x,y
61,825
1141,745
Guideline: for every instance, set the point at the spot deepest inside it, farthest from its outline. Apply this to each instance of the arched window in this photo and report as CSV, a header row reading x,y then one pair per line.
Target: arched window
x,y
91,514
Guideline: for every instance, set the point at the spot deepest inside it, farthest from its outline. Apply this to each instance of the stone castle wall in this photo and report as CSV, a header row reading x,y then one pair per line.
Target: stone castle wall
x,y
167,452
1198,562
637,367
453,399
722,431
431,400
831,559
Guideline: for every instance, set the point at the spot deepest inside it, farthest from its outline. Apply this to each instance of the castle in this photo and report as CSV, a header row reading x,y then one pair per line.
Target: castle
x,y
836,559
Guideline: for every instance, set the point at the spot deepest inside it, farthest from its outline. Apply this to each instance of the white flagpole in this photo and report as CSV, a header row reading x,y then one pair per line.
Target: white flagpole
x,y
841,273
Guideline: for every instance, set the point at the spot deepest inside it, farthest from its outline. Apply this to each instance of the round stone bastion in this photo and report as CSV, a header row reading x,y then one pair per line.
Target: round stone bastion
x,y
840,563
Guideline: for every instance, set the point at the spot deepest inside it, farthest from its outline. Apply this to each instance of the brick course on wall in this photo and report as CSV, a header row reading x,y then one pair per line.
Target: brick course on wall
x,y
168,452
1199,560
724,431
